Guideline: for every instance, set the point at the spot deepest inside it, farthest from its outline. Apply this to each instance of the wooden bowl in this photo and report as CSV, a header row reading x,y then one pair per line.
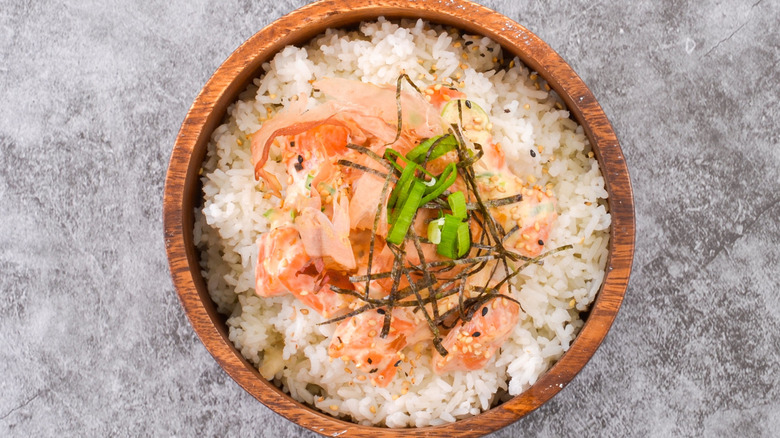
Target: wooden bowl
x,y
182,190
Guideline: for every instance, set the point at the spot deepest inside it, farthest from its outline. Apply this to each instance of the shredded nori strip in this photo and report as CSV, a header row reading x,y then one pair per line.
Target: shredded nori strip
x,y
398,103
348,163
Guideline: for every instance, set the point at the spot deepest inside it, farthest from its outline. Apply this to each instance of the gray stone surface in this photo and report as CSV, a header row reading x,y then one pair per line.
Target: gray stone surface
x,y
93,341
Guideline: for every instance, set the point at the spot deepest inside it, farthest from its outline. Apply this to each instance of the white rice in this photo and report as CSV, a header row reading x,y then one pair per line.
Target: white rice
x,y
288,346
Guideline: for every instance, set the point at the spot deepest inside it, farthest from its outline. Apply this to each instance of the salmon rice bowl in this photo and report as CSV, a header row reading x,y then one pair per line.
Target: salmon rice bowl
x,y
401,223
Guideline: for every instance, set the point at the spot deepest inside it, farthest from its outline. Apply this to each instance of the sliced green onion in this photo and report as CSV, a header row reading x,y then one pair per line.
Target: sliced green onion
x,y
455,238
406,213
464,239
448,246
309,179
457,203
434,231
444,181
444,144
401,189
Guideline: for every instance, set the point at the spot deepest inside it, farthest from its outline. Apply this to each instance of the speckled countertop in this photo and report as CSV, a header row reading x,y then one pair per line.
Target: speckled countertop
x,y
93,341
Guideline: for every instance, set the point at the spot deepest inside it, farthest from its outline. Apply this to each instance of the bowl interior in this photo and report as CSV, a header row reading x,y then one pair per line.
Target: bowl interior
x,y
183,194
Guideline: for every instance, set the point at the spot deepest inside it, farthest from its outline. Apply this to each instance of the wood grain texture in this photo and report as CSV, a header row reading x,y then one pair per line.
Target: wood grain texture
x,y
209,109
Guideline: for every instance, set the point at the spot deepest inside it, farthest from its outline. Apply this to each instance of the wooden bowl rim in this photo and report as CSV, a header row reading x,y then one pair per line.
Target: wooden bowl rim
x,y
301,25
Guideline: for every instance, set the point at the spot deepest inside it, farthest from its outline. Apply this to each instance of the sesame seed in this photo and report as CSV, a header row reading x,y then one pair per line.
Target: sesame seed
x,y
533,154
572,303
464,56
527,106
372,409
446,97
531,179
525,236
272,96
361,377
305,311
484,311
428,97
380,311
546,86
397,363
540,242
369,361
495,59
469,339
477,334
437,87
536,226
456,45
372,323
590,154
495,304
267,196
395,396
434,67
536,85
347,370
428,91
304,293
458,75
533,76
334,408
464,66
345,358
511,63
477,345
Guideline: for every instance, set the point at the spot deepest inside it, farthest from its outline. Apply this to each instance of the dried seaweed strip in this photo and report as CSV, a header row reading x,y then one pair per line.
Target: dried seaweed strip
x,y
396,275
398,103
426,273
377,217
498,202
355,312
366,169
431,324
366,151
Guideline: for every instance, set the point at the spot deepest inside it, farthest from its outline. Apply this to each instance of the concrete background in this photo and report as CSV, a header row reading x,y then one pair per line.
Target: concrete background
x,y
93,341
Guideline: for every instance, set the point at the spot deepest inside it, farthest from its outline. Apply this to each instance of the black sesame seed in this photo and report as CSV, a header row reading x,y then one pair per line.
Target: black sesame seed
x,y
339,338
369,361
397,363
533,154
507,111
484,311
540,242
468,104
380,311
490,49
300,158
292,144
482,55
468,43
374,370
477,334
298,167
